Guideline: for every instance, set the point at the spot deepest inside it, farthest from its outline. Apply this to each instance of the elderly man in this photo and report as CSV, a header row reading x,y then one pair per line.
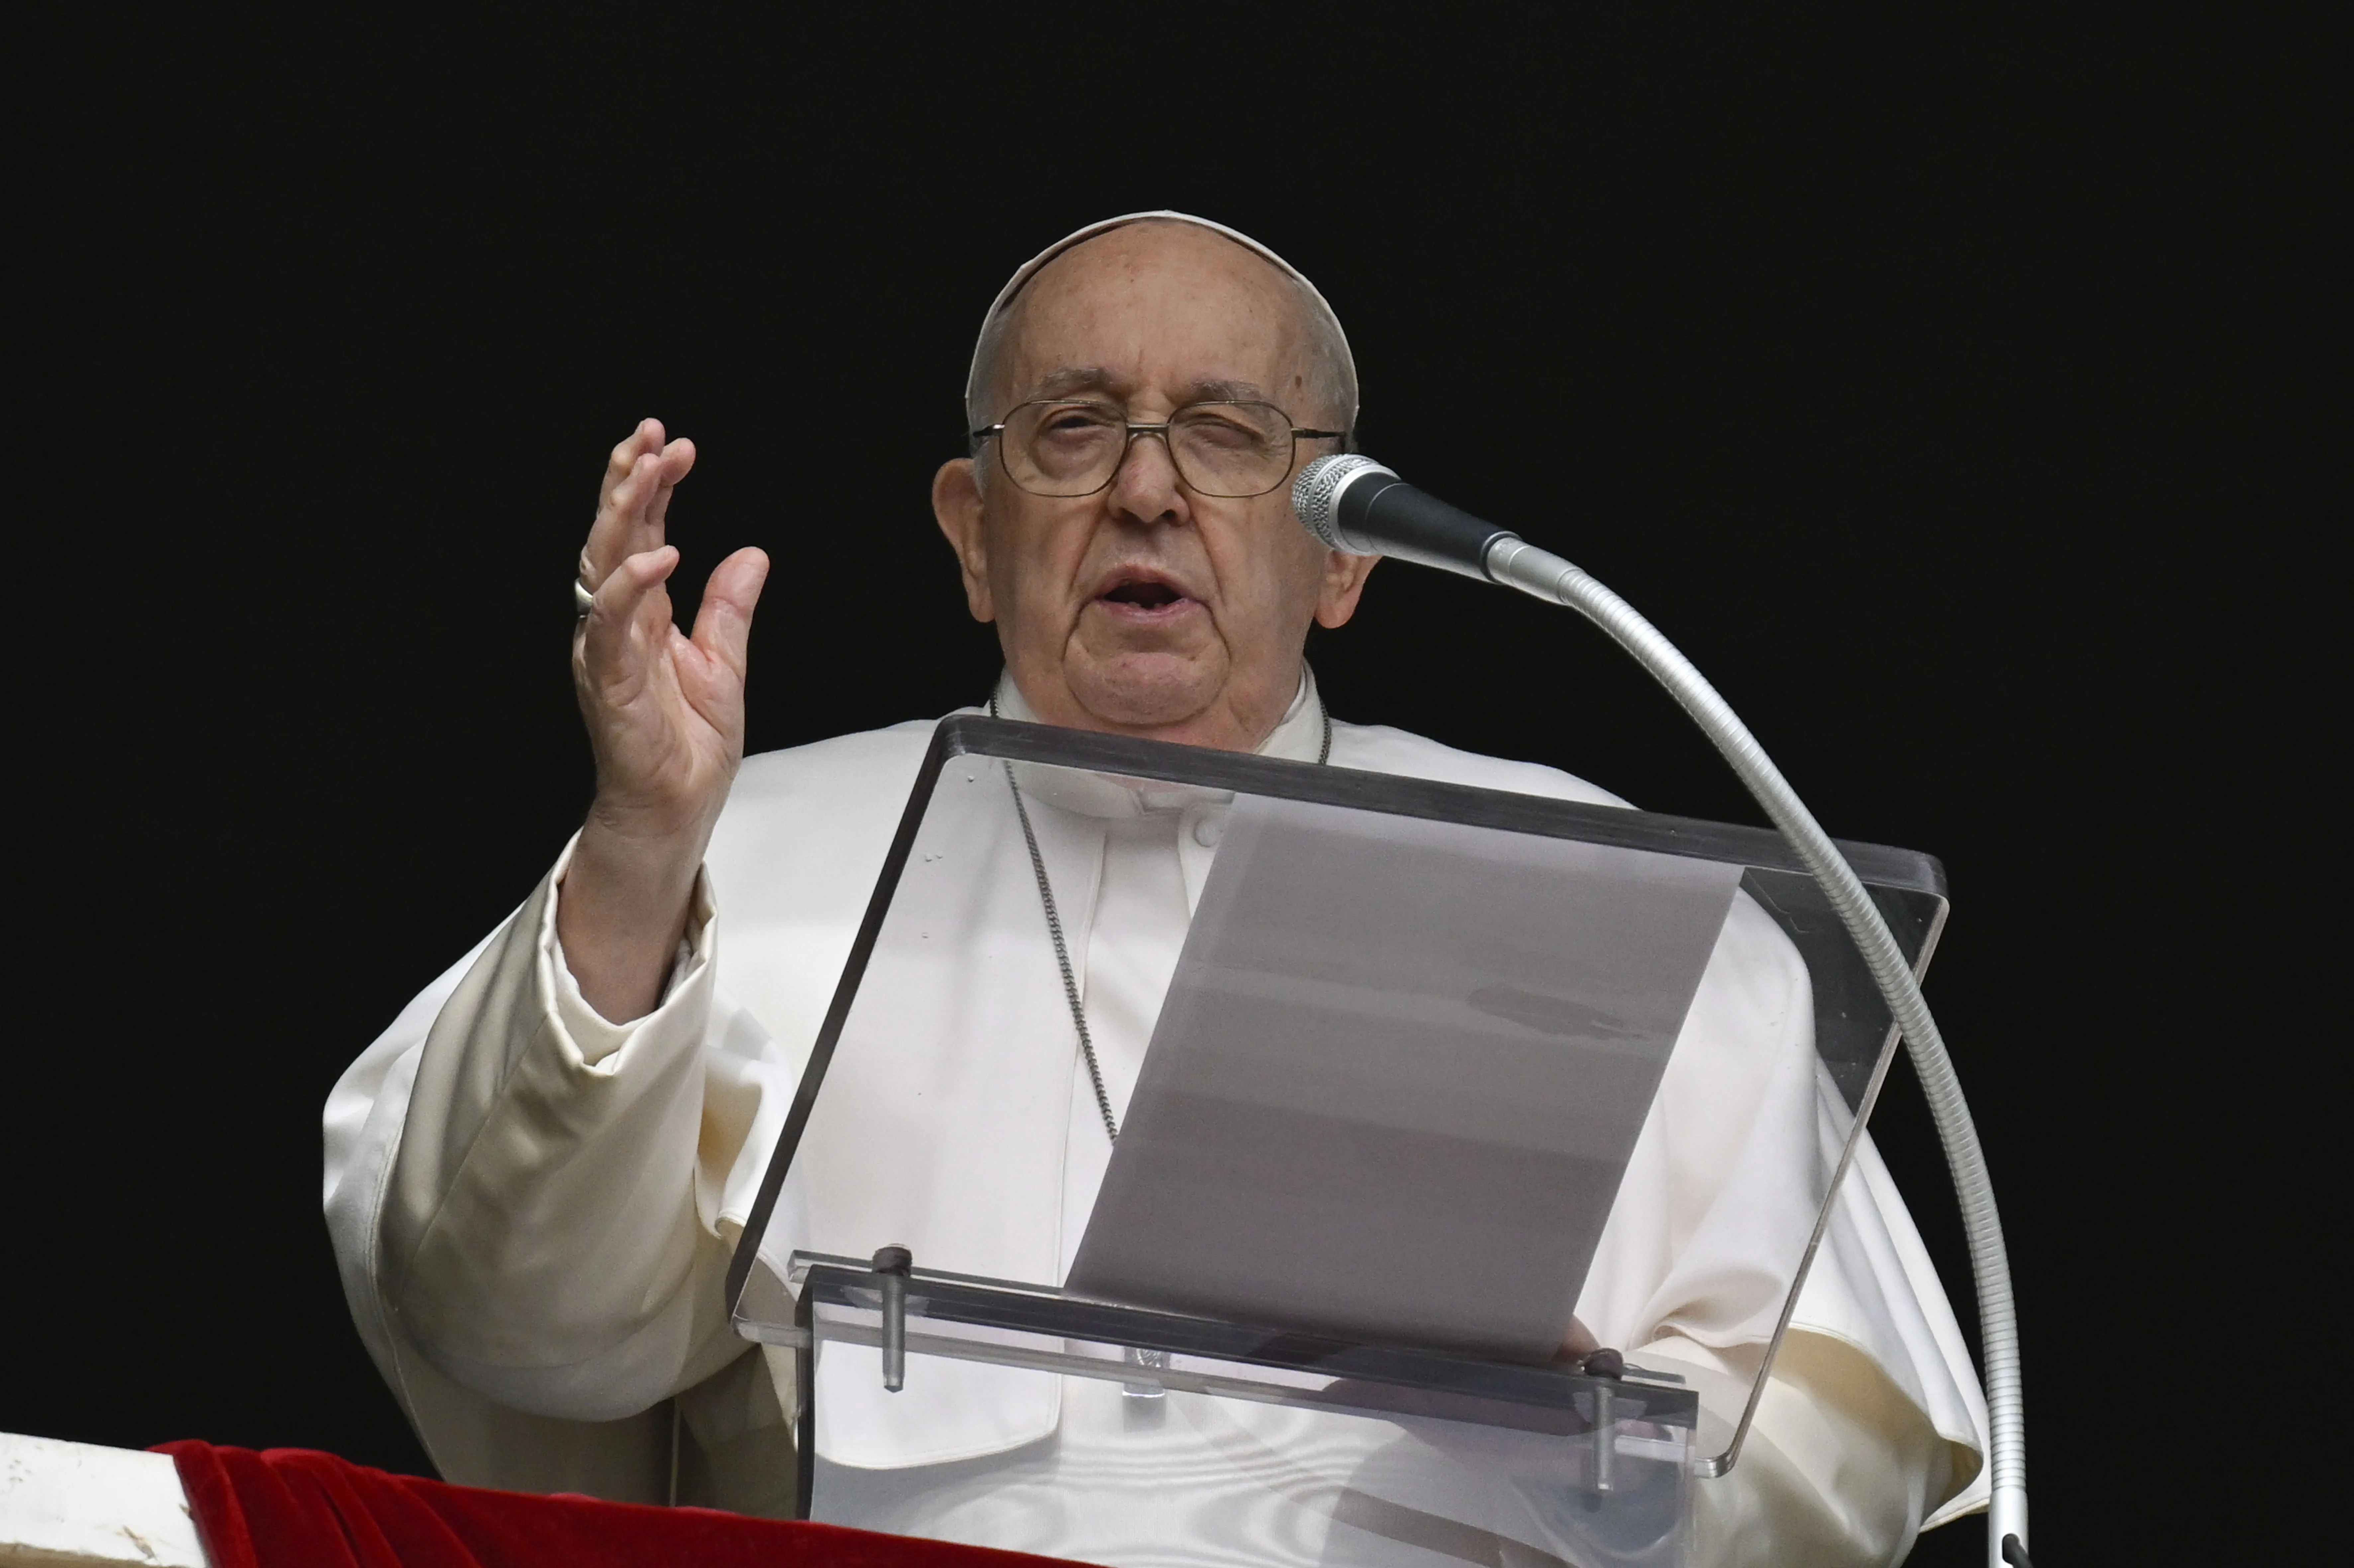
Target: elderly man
x,y
536,1177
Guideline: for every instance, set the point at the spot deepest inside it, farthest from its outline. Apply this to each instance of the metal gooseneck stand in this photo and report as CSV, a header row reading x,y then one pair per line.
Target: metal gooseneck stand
x,y
1511,562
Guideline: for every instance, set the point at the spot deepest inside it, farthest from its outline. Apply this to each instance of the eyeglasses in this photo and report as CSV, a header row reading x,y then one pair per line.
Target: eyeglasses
x,y
1065,447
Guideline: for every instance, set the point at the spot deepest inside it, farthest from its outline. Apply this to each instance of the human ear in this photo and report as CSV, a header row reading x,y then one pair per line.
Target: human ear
x,y
957,507
1344,580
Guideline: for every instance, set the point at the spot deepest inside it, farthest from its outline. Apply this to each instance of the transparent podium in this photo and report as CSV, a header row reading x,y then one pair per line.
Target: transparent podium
x,y
1205,1157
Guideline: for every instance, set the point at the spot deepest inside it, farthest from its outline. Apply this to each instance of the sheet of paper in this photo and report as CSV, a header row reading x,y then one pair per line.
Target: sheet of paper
x,y
1397,1076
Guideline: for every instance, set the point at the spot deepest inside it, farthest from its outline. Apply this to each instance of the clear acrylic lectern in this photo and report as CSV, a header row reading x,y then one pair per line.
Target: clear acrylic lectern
x,y
1308,1305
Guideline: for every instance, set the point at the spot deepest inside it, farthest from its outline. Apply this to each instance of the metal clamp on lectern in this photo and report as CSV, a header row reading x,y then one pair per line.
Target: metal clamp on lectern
x,y
893,1265
1606,1367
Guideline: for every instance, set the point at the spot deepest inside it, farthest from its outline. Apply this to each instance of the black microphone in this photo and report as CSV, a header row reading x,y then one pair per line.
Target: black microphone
x,y
1355,504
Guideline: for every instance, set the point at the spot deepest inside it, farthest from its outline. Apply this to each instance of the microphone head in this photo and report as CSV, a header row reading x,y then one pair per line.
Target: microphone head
x,y
1316,496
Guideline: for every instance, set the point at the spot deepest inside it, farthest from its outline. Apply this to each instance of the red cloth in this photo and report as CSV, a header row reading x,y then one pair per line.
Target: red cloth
x,y
291,1507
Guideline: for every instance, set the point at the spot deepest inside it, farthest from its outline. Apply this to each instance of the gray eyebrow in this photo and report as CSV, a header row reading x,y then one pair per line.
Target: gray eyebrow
x,y
1226,392
1077,378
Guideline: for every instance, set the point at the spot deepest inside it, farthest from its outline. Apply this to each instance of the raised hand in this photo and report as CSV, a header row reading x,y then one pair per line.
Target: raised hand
x,y
665,717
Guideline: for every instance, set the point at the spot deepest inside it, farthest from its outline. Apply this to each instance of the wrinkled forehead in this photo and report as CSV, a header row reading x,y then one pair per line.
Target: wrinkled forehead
x,y
1103,313
1127,314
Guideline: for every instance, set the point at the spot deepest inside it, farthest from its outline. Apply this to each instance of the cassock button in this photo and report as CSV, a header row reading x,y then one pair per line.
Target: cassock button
x,y
1209,830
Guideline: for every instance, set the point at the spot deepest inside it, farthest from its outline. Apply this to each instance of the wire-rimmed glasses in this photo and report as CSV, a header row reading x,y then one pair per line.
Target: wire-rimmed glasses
x,y
1069,446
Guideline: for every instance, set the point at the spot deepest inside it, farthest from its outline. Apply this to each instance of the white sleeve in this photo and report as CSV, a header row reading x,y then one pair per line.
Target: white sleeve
x,y
546,1230
1840,1468
1871,1426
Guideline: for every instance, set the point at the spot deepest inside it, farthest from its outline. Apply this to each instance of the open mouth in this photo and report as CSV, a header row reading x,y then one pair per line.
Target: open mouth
x,y
1144,597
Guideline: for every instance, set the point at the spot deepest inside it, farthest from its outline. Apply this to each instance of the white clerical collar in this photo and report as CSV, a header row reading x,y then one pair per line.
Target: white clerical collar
x,y
1297,738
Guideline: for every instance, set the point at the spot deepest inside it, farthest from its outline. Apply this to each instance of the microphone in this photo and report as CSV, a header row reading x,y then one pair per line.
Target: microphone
x,y
1359,506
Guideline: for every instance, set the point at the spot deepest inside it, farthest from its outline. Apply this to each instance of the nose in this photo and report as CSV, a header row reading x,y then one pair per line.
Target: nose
x,y
1145,487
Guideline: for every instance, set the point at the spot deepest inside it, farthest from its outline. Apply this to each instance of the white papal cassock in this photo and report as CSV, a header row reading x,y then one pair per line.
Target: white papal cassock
x,y
533,1208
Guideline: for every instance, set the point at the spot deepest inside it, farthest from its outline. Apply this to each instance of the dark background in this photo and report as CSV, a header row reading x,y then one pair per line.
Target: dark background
x,y
1928,380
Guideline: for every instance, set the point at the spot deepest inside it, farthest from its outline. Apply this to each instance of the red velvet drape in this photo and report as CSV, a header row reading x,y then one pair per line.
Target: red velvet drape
x,y
291,1507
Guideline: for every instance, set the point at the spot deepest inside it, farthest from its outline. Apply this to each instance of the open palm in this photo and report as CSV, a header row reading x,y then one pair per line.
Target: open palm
x,y
666,716
665,709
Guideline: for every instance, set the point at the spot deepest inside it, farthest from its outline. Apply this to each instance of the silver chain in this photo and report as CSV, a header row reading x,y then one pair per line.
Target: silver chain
x,y
1062,949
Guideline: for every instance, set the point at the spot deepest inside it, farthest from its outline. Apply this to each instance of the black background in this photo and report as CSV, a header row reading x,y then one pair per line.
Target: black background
x,y
1927,380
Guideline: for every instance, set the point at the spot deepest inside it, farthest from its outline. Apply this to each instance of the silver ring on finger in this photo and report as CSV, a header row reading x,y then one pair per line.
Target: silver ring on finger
x,y
583,600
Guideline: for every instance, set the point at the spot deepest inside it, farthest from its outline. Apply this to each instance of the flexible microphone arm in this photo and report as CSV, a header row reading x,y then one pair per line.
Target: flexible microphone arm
x,y
1355,487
